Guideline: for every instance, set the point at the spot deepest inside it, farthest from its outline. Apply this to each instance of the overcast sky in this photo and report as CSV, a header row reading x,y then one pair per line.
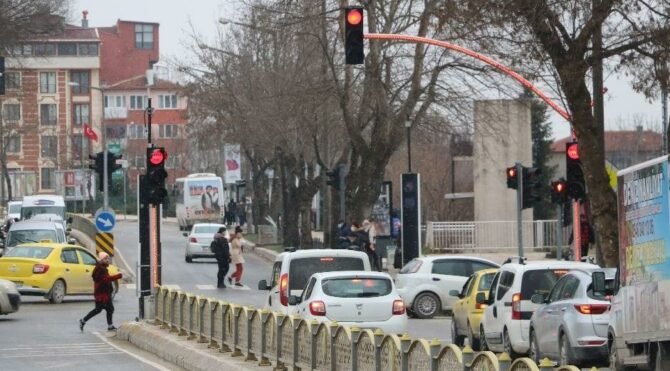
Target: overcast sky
x,y
621,103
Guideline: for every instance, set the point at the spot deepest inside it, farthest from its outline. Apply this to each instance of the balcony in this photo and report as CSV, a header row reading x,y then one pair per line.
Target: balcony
x,y
116,113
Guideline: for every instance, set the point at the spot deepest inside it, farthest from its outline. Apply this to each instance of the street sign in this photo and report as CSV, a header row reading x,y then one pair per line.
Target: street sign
x,y
105,220
104,242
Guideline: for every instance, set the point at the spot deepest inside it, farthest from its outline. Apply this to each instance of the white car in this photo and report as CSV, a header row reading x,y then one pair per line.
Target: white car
x,y
14,210
10,299
424,283
367,300
505,325
199,239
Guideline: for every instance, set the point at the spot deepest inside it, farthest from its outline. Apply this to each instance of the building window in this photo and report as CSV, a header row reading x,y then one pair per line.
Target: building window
x,y
47,178
115,101
12,112
144,36
77,146
115,131
13,80
47,82
138,102
81,80
48,114
167,101
81,114
139,161
49,146
88,49
168,131
136,131
67,49
14,144
45,49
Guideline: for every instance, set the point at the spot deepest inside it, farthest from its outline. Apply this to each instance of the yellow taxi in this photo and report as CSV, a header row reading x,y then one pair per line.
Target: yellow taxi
x,y
50,269
467,313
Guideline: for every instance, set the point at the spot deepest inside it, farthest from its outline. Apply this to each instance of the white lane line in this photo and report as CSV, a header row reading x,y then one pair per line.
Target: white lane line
x,y
79,354
136,356
239,288
131,286
55,346
205,287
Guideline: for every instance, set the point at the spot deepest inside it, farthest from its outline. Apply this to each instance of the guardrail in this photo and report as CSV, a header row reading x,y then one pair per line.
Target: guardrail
x,y
275,339
83,224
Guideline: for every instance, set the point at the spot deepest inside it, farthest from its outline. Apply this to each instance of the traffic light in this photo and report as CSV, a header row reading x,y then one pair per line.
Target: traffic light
x,y
559,192
334,178
353,35
532,186
112,166
98,166
2,75
573,166
156,175
512,180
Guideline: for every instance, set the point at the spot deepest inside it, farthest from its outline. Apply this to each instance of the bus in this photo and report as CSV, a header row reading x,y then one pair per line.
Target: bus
x,y
200,199
42,204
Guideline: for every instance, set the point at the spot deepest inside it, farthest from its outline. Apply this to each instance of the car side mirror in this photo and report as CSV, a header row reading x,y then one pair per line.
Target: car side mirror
x,y
481,298
294,300
455,293
263,285
185,234
538,299
598,283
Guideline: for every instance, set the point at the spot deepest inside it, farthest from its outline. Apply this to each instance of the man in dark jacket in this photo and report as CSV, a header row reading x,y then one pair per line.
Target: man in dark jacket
x,y
221,250
102,292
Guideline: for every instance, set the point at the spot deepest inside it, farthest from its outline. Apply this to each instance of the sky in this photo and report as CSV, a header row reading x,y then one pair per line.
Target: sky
x,y
622,104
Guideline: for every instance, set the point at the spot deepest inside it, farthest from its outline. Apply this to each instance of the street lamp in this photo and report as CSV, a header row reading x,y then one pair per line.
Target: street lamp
x,y
408,127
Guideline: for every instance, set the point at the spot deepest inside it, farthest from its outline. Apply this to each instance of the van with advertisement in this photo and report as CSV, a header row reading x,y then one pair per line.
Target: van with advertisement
x,y
42,204
199,199
639,323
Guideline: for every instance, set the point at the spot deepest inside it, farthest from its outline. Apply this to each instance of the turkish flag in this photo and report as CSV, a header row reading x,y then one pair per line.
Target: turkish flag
x,y
90,134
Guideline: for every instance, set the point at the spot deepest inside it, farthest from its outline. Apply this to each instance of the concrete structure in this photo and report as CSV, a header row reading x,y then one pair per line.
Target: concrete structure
x,y
502,137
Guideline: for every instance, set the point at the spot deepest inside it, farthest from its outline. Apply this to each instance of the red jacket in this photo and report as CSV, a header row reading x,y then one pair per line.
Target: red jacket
x,y
103,283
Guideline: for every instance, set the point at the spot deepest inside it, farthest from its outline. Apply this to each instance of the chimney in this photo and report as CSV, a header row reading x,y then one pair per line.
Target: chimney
x,y
84,20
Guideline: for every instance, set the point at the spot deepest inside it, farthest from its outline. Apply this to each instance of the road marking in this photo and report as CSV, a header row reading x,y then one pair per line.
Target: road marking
x,y
60,350
136,356
240,288
131,286
205,287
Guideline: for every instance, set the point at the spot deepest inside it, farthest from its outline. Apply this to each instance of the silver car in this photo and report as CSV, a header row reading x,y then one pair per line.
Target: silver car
x,y
10,299
199,239
570,326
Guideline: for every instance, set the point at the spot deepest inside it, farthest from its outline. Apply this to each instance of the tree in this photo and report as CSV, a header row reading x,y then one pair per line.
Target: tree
x,y
22,20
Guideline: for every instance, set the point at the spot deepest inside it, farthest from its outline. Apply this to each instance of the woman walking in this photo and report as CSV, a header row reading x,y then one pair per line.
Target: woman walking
x,y
102,292
236,256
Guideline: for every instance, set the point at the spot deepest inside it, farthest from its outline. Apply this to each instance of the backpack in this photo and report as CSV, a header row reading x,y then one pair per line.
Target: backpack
x,y
214,247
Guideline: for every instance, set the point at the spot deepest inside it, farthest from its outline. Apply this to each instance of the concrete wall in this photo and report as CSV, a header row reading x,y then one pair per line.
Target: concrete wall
x,y
502,137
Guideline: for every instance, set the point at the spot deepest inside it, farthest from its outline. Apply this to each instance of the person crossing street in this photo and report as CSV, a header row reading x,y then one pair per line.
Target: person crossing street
x,y
102,291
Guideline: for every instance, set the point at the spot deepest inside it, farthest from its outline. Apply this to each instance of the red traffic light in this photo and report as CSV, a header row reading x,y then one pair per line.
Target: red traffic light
x,y
573,151
511,172
158,156
559,187
354,17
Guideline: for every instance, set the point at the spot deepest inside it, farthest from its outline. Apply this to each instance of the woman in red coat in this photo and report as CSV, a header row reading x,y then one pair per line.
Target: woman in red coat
x,y
102,292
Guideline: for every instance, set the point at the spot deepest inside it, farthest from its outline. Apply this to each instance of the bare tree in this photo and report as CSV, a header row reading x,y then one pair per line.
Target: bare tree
x,y
26,19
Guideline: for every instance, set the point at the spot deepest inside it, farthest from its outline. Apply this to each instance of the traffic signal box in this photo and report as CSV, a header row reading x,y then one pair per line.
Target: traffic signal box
x,y
98,166
559,192
156,176
353,35
532,187
576,187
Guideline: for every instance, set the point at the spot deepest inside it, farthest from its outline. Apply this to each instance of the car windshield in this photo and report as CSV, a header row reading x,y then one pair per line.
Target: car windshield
x,y
365,287
33,252
14,209
18,237
539,281
28,212
485,282
303,268
206,229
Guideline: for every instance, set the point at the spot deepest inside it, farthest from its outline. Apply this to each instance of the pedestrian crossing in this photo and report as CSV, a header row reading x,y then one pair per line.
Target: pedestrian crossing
x,y
57,350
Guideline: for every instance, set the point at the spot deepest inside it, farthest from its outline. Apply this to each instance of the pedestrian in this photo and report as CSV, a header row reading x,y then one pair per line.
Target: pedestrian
x,y
102,291
242,214
586,233
221,249
232,211
236,256
371,246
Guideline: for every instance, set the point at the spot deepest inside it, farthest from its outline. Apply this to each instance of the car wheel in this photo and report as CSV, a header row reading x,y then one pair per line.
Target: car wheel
x,y
507,345
426,305
474,342
455,337
189,259
483,346
57,293
565,352
535,354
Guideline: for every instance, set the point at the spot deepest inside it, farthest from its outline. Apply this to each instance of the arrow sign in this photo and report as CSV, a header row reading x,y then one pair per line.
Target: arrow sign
x,y
105,220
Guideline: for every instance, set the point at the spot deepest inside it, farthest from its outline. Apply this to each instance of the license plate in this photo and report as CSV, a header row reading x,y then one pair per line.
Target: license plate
x,y
205,248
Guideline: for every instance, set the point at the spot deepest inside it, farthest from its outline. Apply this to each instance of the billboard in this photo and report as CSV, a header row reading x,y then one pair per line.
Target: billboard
x,y
75,185
232,159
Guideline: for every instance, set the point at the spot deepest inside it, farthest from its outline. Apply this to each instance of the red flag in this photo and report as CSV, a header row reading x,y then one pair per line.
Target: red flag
x,y
90,134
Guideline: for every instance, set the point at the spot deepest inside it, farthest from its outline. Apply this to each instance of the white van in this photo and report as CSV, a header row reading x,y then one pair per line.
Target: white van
x,y
292,269
28,231
14,209
199,199
42,204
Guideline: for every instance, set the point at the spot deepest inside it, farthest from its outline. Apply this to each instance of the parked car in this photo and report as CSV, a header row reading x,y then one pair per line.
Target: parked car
x,y
52,270
506,322
424,283
467,312
10,299
570,325
292,269
367,300
199,239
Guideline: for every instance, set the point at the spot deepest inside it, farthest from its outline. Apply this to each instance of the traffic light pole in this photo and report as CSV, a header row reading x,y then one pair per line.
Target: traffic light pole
x,y
342,173
559,232
105,175
519,206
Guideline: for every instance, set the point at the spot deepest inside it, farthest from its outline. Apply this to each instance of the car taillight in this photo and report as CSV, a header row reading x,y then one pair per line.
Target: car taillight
x,y
480,306
516,306
592,308
40,268
193,239
398,307
317,308
283,289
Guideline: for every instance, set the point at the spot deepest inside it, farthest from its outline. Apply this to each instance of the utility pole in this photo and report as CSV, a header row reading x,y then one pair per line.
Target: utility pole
x,y
519,206
598,91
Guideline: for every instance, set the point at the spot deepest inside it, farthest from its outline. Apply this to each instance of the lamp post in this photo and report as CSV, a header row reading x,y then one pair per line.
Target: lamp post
x,y
408,127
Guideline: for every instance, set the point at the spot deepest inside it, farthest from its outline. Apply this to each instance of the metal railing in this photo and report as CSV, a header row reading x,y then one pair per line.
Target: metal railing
x,y
275,339
539,235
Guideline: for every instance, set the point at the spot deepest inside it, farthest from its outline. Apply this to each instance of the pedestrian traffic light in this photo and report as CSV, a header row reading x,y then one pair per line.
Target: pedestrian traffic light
x,y
576,188
532,186
2,75
353,35
155,176
512,179
334,178
98,166
559,192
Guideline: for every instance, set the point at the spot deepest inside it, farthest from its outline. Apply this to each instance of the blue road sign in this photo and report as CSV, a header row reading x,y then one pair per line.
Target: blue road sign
x,y
105,220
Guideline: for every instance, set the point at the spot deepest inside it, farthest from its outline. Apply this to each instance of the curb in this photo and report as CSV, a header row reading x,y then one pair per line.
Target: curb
x,y
177,350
